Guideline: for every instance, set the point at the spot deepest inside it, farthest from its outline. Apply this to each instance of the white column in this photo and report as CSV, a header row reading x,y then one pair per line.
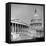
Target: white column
x,y
12,27
15,27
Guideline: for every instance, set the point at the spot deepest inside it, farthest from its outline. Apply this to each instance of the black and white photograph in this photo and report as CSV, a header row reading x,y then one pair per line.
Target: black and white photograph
x,y
25,22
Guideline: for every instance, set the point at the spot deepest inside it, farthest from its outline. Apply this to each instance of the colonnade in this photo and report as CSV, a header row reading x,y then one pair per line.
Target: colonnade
x,y
17,27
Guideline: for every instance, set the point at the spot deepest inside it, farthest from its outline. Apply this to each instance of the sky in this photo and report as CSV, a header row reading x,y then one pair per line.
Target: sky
x,y
25,13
